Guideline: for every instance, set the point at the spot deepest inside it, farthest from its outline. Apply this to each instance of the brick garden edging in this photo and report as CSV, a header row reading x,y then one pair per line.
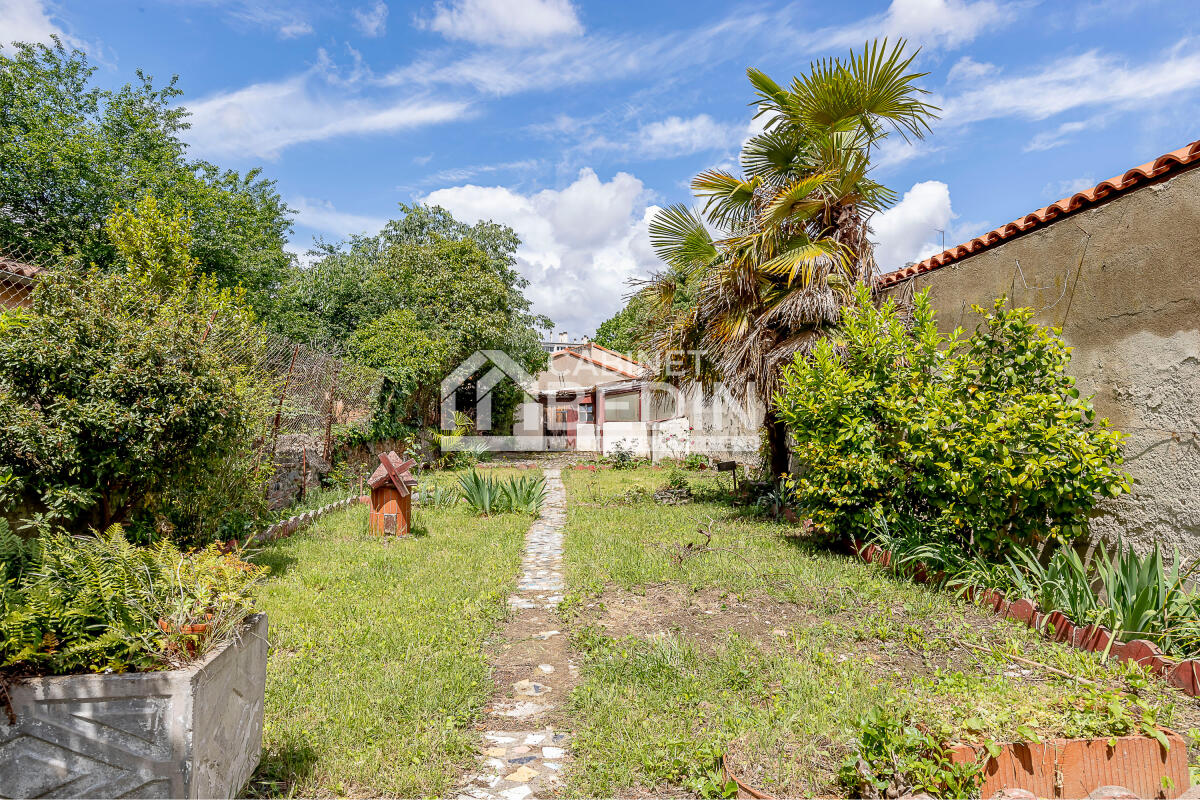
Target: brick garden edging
x,y
1183,675
301,521
1078,767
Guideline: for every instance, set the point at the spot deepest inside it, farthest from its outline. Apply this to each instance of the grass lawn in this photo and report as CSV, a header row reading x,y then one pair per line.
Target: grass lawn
x,y
377,667
768,649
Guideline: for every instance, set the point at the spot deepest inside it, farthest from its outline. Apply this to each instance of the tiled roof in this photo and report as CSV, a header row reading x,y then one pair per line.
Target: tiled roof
x,y
1155,170
19,268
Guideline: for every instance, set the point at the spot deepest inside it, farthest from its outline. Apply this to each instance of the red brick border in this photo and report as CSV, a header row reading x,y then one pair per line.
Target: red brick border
x,y
1183,675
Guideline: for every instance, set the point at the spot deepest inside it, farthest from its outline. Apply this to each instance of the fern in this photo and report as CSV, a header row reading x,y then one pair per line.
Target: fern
x,y
99,603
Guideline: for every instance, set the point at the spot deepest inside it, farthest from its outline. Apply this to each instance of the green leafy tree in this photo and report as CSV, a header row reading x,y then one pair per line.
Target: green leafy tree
x,y
71,153
623,331
127,396
984,441
414,301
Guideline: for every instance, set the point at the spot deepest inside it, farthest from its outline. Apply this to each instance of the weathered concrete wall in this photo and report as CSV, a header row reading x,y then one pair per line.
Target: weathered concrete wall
x,y
1123,282
194,732
298,462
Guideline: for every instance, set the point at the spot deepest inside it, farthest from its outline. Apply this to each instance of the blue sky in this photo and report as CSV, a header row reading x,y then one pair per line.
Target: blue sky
x,y
572,121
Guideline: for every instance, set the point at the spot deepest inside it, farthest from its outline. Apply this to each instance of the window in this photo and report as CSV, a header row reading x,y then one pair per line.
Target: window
x,y
626,407
662,404
587,413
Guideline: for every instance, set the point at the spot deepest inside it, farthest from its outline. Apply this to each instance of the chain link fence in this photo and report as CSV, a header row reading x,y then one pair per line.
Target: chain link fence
x,y
316,393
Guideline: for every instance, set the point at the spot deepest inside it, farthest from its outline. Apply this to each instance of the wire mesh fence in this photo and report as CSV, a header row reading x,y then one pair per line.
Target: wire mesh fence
x,y
314,393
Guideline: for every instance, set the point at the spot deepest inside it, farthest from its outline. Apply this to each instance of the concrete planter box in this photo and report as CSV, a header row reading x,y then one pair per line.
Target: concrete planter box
x,y
194,732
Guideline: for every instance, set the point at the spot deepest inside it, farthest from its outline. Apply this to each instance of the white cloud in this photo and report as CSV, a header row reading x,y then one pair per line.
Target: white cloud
x,y
912,229
579,244
505,22
372,20
320,215
264,119
29,21
676,136
281,16
940,23
1082,81
454,174
1063,189
1047,140
967,68
584,59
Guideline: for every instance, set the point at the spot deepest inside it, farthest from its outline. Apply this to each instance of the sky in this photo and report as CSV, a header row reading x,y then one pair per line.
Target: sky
x,y
573,121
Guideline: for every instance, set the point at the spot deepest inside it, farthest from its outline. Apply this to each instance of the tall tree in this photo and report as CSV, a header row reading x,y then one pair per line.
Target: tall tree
x,y
757,275
71,153
414,301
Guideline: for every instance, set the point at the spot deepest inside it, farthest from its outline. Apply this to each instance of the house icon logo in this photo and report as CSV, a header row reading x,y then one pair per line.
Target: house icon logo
x,y
502,366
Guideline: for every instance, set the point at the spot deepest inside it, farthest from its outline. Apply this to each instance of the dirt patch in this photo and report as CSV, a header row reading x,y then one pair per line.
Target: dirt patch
x,y
522,649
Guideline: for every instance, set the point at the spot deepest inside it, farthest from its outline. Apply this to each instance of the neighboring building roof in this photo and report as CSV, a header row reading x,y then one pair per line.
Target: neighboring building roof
x,y
1159,169
19,269
609,367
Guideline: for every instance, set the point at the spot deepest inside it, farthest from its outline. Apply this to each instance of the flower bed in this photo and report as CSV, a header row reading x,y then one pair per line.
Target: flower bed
x,y
1182,674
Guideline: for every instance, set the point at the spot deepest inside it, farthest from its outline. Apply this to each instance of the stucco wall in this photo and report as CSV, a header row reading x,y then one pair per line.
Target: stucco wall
x,y
1123,282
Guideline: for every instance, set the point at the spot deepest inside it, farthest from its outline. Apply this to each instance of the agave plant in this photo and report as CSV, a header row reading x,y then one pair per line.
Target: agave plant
x,y
525,495
1146,600
483,493
438,496
1061,584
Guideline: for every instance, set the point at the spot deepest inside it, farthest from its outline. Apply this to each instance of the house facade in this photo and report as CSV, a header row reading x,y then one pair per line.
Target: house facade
x,y
1117,268
594,400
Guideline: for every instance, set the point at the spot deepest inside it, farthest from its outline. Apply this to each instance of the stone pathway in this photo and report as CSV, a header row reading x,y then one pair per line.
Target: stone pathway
x,y
525,752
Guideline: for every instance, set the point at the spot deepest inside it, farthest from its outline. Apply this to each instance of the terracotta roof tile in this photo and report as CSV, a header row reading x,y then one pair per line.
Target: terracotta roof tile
x,y
19,268
1160,167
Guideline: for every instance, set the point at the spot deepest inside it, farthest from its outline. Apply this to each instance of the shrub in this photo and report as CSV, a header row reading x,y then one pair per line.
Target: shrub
x,y
121,400
100,604
524,495
486,495
985,440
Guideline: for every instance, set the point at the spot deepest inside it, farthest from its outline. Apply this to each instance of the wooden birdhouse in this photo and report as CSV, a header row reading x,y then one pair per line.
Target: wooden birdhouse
x,y
391,496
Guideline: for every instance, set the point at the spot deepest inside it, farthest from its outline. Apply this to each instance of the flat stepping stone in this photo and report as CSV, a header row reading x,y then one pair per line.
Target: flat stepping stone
x,y
530,688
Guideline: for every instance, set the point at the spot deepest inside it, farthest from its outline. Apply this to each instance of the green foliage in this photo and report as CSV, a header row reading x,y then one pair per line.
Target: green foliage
x,y
120,399
414,301
624,330
488,495
71,153
524,495
621,456
896,756
438,496
99,604
985,440
482,492
1144,599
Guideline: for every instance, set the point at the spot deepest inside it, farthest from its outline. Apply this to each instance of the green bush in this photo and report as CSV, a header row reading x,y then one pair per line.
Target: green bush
x,y
100,604
488,495
131,397
984,441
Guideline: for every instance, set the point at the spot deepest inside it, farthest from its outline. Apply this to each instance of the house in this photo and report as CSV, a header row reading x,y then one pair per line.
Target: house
x,y
562,343
593,399
17,280
1117,267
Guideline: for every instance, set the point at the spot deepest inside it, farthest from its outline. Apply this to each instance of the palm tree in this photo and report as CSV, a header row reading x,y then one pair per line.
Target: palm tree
x,y
765,267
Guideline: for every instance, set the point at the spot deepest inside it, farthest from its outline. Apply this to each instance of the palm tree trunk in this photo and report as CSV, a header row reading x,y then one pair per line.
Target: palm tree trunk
x,y
777,450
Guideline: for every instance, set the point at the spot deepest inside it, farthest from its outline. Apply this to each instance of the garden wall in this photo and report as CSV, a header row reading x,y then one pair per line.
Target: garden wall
x,y
1122,279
